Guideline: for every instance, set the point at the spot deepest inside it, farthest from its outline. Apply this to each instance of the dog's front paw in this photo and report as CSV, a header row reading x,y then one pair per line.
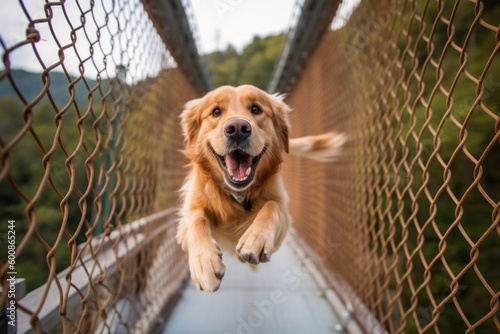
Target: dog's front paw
x,y
206,267
255,246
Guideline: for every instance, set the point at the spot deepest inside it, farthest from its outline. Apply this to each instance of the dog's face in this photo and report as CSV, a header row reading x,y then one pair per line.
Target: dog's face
x,y
237,133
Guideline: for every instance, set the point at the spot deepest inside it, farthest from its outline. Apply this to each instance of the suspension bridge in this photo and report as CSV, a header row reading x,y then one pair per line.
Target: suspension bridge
x,y
400,235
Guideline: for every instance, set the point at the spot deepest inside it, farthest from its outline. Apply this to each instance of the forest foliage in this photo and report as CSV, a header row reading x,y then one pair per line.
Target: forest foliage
x,y
254,65
442,177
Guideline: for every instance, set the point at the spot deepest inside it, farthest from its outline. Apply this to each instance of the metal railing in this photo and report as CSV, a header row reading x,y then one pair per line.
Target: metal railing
x,y
405,225
90,163
308,22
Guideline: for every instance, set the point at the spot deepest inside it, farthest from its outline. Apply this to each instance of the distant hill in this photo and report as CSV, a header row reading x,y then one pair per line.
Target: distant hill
x,y
254,65
30,84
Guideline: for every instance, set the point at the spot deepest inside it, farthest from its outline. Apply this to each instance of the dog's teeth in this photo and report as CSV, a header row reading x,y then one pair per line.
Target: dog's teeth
x,y
239,179
248,171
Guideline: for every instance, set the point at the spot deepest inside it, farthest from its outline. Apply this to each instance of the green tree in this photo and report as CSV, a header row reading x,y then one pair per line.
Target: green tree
x,y
254,65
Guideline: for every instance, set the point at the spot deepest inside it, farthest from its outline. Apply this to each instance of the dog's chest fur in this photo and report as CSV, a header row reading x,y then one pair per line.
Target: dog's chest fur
x,y
227,216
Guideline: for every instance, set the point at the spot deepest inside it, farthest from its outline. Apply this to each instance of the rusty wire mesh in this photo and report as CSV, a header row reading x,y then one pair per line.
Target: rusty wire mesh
x,y
90,163
406,223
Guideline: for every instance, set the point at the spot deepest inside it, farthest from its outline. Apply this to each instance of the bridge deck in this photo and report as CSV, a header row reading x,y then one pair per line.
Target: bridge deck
x,y
280,297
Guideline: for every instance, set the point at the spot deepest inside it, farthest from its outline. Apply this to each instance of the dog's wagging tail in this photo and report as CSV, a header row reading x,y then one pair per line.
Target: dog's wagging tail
x,y
233,197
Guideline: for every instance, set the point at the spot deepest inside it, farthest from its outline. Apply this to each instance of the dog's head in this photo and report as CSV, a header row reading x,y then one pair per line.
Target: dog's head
x,y
237,132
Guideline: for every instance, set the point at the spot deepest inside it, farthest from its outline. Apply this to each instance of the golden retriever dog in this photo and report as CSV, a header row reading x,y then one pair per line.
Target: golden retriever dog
x,y
233,196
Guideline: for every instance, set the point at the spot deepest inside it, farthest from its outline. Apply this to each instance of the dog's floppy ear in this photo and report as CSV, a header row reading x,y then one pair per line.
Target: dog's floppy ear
x,y
281,111
190,120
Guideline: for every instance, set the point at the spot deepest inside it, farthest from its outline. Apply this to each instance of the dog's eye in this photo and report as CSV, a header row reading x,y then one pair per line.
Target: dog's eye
x,y
255,109
216,112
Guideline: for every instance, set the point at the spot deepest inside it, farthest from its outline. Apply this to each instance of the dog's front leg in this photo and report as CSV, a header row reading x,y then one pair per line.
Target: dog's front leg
x,y
205,256
264,235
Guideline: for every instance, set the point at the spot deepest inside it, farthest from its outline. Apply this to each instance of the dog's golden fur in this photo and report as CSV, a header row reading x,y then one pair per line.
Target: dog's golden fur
x,y
233,196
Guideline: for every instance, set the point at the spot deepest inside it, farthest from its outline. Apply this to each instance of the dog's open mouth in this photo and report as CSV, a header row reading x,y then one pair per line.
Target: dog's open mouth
x,y
239,166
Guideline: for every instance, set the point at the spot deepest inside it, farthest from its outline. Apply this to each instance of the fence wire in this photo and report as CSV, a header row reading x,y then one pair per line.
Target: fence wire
x,y
406,224
89,165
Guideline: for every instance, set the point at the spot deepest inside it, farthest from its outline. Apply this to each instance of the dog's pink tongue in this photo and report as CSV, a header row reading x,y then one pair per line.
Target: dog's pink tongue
x,y
237,164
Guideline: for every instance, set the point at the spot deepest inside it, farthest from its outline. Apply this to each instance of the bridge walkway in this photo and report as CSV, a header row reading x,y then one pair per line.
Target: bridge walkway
x,y
281,296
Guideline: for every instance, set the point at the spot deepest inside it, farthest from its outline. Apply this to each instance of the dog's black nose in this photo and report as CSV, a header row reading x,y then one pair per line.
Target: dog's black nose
x,y
238,130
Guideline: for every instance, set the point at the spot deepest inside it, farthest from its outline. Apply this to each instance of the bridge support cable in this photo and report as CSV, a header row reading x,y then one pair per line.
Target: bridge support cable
x,y
178,30
314,18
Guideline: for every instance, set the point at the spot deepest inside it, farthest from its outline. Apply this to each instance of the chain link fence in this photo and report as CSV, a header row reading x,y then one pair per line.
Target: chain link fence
x,y
89,166
406,224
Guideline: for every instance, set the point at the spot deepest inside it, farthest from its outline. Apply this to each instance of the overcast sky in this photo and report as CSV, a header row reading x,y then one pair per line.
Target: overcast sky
x,y
233,21
219,23
236,21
